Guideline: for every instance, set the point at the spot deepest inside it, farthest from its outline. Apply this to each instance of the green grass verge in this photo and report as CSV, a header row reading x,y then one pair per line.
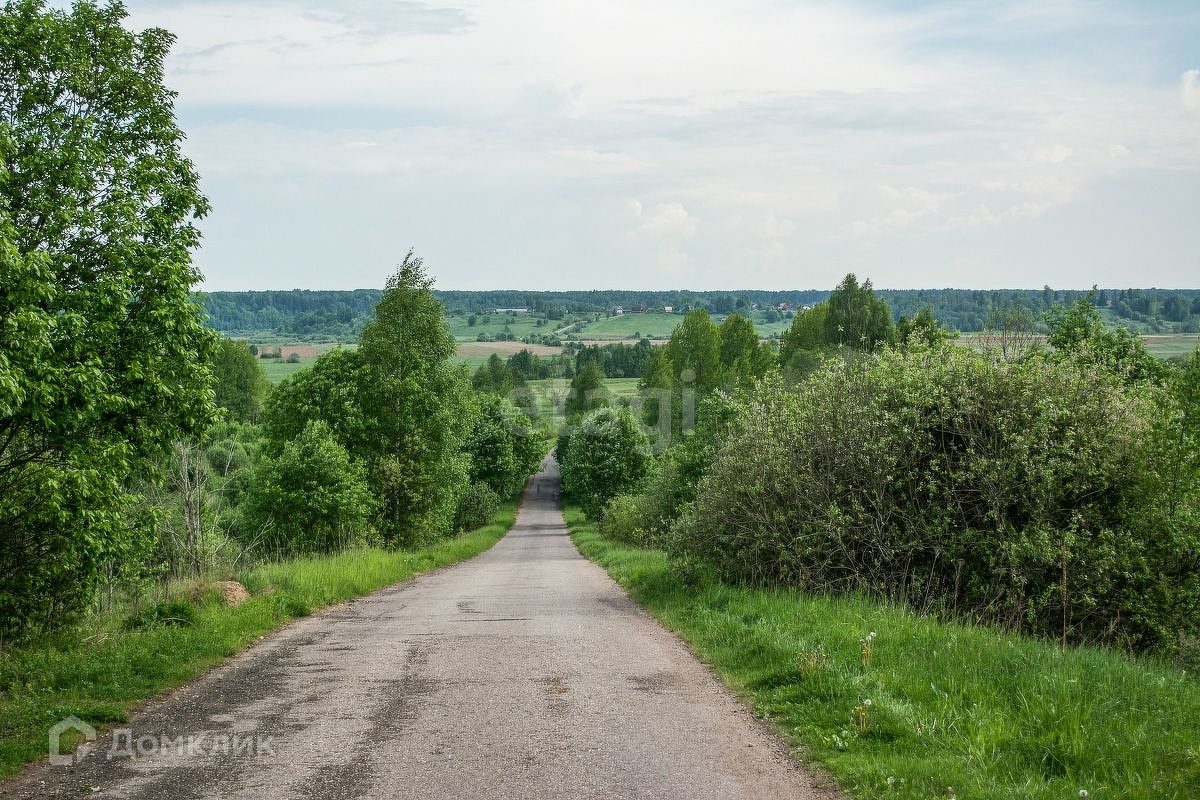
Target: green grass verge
x,y
99,671
955,711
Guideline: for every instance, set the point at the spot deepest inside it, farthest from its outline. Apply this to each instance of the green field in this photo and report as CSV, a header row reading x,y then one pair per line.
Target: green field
x,y
519,325
659,325
277,369
652,324
1168,346
655,325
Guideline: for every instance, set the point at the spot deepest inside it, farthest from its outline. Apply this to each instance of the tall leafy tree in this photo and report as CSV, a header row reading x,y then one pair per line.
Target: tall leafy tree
x,y
695,349
1078,332
587,390
656,387
857,318
497,376
421,406
504,447
103,354
801,348
239,382
921,329
677,376
743,357
331,390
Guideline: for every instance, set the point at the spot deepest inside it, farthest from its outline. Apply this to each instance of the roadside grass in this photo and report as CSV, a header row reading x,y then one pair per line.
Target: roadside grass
x,y
954,710
100,671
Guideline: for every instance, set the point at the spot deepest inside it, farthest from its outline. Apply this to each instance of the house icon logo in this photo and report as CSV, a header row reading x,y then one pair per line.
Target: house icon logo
x,y
71,723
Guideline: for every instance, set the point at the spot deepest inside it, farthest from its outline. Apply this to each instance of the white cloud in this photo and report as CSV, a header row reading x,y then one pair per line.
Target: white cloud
x,y
908,206
1189,90
755,135
670,220
665,228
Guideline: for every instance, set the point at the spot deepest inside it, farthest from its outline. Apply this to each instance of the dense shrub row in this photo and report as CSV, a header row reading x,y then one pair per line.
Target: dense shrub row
x,y
1040,494
1052,490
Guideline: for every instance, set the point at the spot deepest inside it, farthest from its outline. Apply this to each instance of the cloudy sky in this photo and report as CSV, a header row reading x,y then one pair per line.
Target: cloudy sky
x,y
701,144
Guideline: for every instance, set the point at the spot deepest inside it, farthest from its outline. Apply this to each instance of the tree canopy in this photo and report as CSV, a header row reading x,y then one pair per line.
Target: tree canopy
x,y
239,383
103,353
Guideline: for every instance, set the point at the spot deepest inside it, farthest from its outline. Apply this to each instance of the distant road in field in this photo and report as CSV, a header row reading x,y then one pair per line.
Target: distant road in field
x,y
525,673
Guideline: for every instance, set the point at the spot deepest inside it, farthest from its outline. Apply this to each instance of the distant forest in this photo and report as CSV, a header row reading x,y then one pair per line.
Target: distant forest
x,y
308,315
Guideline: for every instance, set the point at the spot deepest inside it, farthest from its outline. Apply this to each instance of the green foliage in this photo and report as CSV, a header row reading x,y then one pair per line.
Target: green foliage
x,y
805,335
1032,493
497,376
103,354
331,390
476,507
699,359
605,456
694,352
306,315
853,319
744,359
421,407
1078,332
587,391
921,329
622,520
504,447
239,381
310,498
397,405
657,389
856,318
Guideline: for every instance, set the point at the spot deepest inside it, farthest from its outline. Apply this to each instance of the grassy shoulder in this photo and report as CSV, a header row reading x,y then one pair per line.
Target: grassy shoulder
x,y
100,671
899,706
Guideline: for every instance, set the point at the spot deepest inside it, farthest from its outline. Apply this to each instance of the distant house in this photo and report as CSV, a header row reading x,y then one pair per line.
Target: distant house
x,y
617,311
637,308
785,306
511,311
668,309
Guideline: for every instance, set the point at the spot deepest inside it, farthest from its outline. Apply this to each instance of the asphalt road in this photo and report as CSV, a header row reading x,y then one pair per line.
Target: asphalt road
x,y
524,673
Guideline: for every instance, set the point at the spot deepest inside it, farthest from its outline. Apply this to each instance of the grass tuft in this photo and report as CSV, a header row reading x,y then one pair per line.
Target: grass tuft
x,y
927,709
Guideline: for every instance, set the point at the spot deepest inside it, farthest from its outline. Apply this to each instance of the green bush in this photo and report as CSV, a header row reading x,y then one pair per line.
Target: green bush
x,y
476,507
607,455
623,520
504,446
1036,494
311,498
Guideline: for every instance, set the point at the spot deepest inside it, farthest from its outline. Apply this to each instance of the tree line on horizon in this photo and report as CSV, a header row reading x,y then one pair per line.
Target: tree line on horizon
x,y
340,315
